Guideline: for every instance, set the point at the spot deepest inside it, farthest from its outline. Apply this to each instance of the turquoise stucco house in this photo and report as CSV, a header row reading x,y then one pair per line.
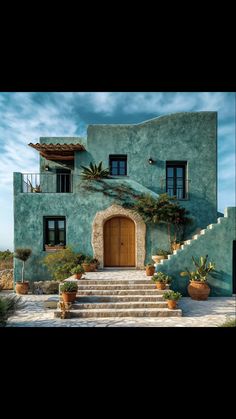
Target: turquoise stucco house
x,y
176,153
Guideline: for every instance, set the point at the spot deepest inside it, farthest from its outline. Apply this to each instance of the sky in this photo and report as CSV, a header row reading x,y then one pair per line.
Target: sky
x,y
26,116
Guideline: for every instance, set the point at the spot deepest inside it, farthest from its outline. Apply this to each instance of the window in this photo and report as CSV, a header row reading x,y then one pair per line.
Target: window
x,y
118,165
63,180
55,231
176,179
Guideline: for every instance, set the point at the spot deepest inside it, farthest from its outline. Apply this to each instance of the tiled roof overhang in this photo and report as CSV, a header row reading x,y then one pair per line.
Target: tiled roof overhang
x,y
57,151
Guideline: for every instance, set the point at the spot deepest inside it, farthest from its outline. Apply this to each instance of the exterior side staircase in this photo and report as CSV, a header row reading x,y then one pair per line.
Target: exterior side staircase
x,y
204,232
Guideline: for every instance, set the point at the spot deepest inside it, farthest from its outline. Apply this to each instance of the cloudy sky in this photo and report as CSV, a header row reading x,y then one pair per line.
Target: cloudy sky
x,y
24,117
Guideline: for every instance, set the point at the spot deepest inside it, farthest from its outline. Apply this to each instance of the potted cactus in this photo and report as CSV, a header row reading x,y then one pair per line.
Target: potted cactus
x,y
172,298
198,288
161,280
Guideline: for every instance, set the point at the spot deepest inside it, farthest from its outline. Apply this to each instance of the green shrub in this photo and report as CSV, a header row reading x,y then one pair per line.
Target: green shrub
x,y
172,295
60,263
229,323
161,252
77,270
161,277
69,286
8,305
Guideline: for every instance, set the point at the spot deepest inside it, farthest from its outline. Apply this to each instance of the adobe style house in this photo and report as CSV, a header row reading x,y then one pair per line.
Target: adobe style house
x,y
176,154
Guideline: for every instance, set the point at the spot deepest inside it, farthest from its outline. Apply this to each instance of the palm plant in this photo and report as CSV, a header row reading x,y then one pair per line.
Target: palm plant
x,y
94,171
23,254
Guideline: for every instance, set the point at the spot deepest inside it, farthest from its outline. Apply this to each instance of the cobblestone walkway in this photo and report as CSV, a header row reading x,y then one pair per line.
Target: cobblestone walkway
x,y
195,314
212,312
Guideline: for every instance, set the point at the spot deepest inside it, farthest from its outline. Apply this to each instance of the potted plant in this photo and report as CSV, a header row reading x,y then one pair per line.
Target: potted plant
x,y
172,298
161,280
198,288
54,247
22,287
94,264
69,290
176,245
150,269
87,264
77,271
160,255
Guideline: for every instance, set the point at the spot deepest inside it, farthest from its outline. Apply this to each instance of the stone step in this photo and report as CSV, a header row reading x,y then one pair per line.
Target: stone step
x,y
119,305
116,287
186,242
135,312
114,281
119,298
120,292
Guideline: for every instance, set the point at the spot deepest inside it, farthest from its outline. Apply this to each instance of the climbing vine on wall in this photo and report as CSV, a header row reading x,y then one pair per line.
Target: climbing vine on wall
x,y
120,192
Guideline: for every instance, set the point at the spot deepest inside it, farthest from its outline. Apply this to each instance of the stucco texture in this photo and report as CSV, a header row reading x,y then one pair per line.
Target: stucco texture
x,y
190,137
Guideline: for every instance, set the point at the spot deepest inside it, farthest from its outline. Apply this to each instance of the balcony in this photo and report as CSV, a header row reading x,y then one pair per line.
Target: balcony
x,y
180,189
47,182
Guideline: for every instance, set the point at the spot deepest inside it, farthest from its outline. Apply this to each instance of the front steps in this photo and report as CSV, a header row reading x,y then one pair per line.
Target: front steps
x,y
119,298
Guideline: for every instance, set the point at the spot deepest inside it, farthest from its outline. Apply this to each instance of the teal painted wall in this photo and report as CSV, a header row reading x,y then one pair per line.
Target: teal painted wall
x,y
190,137
217,242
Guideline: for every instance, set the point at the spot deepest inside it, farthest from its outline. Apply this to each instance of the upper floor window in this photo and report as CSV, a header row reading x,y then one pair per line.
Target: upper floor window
x,y
176,179
118,165
55,231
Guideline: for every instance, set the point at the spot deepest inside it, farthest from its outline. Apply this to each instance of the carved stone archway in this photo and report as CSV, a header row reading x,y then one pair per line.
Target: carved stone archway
x,y
97,233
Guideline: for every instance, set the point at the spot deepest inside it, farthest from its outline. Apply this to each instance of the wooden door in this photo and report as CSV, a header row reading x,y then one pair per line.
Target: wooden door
x,y
119,242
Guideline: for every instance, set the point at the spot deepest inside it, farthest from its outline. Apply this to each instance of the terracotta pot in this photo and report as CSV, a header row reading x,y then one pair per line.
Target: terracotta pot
x,y
172,304
176,246
198,290
150,270
160,285
22,287
69,297
77,276
87,267
93,267
158,258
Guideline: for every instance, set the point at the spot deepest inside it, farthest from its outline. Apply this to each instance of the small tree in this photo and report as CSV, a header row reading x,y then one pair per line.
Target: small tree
x,y
162,210
23,254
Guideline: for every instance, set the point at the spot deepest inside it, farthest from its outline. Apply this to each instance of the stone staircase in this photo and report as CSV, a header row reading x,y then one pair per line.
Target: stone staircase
x,y
216,241
119,298
206,231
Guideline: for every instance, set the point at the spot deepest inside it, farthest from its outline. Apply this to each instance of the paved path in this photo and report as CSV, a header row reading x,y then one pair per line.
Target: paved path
x,y
212,312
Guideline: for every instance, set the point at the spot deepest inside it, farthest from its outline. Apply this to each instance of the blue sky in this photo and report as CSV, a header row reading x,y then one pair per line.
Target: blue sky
x,y
24,117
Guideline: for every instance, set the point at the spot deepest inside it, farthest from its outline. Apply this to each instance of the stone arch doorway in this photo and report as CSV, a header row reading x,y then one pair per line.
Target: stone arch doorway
x,y
119,242
115,211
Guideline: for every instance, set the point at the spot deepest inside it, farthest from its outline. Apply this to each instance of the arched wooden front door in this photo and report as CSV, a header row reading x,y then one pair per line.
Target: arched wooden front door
x,y
119,242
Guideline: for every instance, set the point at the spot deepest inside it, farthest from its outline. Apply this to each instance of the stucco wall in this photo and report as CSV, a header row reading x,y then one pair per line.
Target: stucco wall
x,y
217,243
188,137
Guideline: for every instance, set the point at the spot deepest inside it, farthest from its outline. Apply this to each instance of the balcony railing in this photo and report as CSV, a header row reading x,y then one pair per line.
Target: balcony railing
x,y
181,192
47,182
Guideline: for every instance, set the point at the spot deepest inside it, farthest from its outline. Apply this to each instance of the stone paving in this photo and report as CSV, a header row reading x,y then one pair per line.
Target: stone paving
x,y
210,313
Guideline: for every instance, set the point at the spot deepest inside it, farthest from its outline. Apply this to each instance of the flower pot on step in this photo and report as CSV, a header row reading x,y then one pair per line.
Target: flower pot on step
x,y
150,270
172,304
160,285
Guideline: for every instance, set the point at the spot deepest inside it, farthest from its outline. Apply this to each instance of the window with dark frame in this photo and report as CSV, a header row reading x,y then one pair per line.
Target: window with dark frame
x,y
55,231
63,180
118,165
176,179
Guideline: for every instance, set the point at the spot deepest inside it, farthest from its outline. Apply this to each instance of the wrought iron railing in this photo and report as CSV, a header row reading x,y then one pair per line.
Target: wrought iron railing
x,y
47,182
181,192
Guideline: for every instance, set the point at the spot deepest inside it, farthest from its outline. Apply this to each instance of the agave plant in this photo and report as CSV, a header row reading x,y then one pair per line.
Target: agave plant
x,y
94,171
